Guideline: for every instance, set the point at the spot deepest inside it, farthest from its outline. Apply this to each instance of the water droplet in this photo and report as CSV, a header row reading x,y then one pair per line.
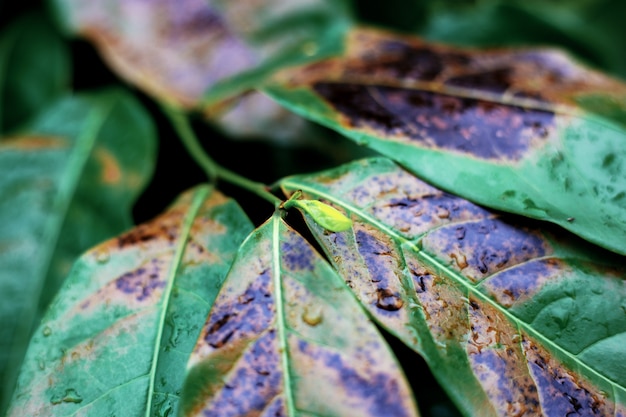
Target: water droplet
x,y
310,48
41,363
570,219
102,256
312,315
388,301
70,396
363,140
165,409
47,331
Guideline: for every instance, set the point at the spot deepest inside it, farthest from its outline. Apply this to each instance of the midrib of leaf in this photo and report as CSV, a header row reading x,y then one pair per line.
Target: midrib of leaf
x,y
194,208
85,143
437,265
280,315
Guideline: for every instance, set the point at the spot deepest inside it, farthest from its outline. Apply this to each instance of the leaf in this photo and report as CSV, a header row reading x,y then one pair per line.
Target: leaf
x,y
512,319
326,216
525,131
128,316
34,69
176,51
67,182
285,337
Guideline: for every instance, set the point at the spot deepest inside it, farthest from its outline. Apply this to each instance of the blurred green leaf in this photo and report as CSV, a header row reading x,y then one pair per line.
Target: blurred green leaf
x,y
177,51
516,130
128,316
512,319
67,182
35,69
285,337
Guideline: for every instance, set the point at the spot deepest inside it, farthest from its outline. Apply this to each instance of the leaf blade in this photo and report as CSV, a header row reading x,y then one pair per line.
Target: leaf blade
x,y
513,130
69,164
124,337
484,300
185,49
240,346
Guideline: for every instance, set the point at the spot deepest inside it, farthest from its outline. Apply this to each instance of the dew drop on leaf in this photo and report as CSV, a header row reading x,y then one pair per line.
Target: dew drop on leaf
x,y
47,331
70,396
102,256
388,301
312,315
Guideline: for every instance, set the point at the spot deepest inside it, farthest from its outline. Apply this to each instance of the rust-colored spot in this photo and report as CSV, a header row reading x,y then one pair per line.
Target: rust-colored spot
x,y
32,143
111,172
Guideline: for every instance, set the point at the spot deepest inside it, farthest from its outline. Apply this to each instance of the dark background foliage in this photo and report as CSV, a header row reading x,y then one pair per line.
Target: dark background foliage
x,y
592,30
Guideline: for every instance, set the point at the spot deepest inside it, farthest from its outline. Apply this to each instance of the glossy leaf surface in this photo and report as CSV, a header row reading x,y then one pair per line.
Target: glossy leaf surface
x,y
524,131
513,320
176,51
129,314
34,69
67,182
285,337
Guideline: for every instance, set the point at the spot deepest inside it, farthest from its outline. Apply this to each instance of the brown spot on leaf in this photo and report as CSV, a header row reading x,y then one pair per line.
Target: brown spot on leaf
x,y
517,285
182,48
498,362
561,391
442,303
111,173
470,126
32,143
488,246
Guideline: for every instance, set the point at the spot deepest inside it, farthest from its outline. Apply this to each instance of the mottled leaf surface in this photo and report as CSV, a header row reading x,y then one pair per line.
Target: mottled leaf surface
x,y
286,338
67,182
525,131
177,50
513,320
117,338
34,69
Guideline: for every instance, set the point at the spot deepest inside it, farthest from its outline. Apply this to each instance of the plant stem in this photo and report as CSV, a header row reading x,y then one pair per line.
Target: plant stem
x,y
213,170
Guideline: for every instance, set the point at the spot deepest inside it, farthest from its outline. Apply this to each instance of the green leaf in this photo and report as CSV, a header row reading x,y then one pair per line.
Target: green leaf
x,y
34,69
512,319
129,314
326,216
525,131
177,51
67,182
285,337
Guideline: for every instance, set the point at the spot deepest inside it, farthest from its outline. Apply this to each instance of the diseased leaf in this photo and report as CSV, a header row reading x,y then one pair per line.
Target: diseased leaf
x,y
129,314
67,182
525,131
34,69
512,319
285,337
176,51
